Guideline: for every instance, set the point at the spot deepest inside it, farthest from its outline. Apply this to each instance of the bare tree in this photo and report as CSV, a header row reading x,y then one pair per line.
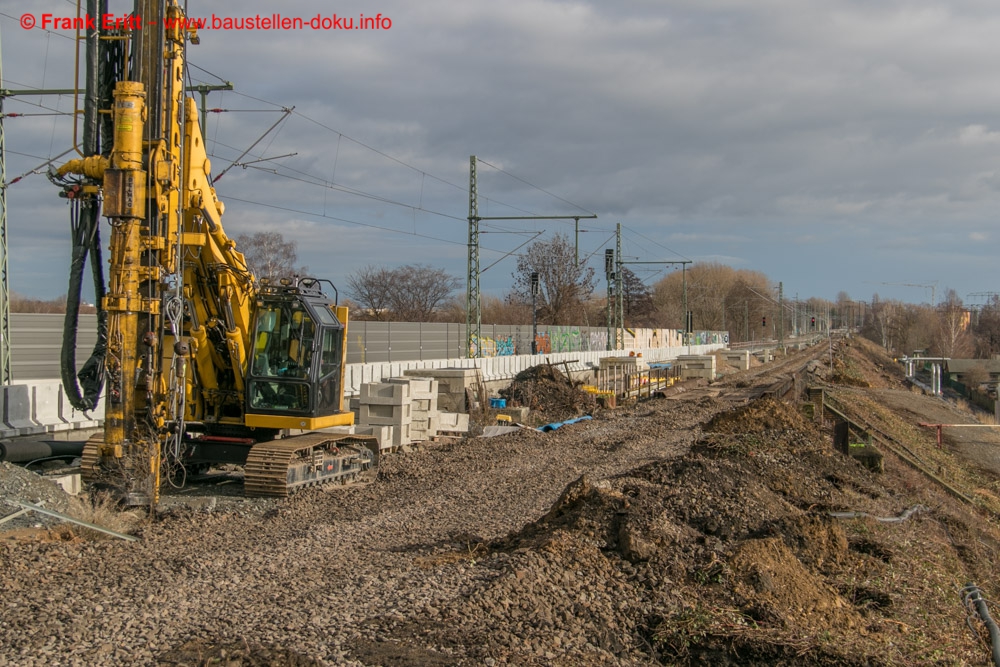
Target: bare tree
x,y
885,324
952,338
637,300
563,285
976,376
843,311
720,297
370,288
748,307
412,293
504,310
417,291
269,255
987,329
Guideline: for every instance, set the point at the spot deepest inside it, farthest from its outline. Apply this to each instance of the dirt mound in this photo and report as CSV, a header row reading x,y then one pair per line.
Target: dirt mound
x,y
774,585
763,425
861,363
725,556
549,393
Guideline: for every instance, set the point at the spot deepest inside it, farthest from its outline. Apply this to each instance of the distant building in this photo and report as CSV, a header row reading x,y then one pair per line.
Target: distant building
x,y
959,369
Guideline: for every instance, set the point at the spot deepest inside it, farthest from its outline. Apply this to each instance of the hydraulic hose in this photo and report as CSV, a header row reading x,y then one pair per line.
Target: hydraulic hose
x,y
104,64
86,241
974,602
883,519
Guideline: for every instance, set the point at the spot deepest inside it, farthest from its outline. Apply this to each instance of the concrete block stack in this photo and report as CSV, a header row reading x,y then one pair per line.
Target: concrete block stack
x,y
737,358
383,434
623,365
697,366
387,404
424,416
452,385
454,422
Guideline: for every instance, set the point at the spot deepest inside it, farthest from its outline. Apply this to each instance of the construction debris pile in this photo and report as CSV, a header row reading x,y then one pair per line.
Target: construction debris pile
x,y
549,393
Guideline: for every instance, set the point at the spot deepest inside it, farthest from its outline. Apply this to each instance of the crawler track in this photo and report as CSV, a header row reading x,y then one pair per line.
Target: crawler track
x,y
280,467
90,458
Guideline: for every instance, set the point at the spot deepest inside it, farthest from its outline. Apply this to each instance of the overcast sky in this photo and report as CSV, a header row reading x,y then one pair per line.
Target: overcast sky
x,y
831,144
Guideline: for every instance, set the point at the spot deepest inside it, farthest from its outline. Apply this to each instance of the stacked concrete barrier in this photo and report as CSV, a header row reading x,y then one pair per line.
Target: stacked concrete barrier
x,y
697,366
387,404
737,359
41,406
451,386
424,416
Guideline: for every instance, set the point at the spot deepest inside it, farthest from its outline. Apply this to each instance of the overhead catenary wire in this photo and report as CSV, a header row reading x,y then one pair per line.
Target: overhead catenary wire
x,y
532,185
321,182
311,179
31,115
48,33
36,169
366,146
353,222
351,191
656,243
278,122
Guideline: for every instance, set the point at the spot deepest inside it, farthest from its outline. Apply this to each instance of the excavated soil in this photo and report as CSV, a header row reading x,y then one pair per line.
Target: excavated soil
x,y
671,532
549,393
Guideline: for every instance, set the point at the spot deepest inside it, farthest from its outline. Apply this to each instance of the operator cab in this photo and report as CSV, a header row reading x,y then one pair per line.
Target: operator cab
x,y
297,354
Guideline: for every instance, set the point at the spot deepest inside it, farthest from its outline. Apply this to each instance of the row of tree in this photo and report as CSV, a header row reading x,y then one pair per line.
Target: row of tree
x,y
745,303
949,329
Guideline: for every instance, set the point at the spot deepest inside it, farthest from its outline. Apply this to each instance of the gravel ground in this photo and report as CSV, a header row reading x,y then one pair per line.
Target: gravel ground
x,y
16,483
328,576
677,531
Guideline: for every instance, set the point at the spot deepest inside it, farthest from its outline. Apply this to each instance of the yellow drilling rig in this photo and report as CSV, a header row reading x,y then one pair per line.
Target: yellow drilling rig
x,y
203,364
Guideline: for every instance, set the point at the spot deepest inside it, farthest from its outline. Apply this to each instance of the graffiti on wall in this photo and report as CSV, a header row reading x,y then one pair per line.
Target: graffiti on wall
x,y
482,347
505,346
543,344
573,339
502,346
564,339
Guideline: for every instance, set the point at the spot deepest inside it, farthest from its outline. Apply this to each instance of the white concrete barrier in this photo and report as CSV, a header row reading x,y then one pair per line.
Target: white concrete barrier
x,y
39,406
46,406
17,410
505,368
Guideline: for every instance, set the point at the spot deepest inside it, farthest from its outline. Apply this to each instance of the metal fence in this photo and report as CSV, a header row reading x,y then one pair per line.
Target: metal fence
x,y
36,343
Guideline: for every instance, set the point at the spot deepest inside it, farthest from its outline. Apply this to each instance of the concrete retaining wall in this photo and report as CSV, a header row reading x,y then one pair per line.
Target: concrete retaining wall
x,y
40,406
